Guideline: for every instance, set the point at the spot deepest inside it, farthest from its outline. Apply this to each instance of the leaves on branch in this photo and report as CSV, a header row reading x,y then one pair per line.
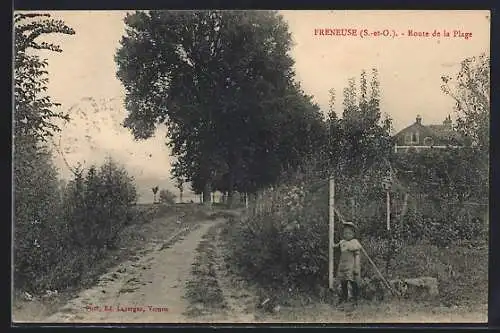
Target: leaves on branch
x,y
471,92
34,113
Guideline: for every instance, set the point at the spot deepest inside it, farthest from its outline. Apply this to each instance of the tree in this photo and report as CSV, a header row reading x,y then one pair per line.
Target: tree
x,y
303,130
34,113
351,112
167,197
180,187
471,93
98,204
220,81
332,100
155,190
365,134
36,195
331,150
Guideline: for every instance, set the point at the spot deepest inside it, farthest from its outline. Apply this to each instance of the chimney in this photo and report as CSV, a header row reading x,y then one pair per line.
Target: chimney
x,y
447,122
419,120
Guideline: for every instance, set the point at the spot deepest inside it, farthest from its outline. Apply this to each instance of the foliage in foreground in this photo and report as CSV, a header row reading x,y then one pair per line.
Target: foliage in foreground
x,y
60,231
286,242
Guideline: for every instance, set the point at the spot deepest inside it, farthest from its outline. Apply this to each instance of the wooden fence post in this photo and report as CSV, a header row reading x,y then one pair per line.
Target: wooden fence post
x,y
331,231
388,199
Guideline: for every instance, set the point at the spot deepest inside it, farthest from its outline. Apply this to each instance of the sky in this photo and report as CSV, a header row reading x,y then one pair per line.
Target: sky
x,y
410,70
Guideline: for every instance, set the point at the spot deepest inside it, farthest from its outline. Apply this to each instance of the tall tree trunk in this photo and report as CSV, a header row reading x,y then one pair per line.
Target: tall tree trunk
x,y
207,193
234,164
230,192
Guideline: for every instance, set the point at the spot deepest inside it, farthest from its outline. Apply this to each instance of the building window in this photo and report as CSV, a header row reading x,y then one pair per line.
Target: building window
x,y
428,141
414,138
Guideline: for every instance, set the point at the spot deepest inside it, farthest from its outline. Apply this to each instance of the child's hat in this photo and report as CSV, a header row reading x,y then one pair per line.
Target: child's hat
x,y
349,224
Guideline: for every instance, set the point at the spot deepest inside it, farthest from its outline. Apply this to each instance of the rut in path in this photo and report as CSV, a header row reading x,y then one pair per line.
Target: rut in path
x,y
238,301
153,287
240,298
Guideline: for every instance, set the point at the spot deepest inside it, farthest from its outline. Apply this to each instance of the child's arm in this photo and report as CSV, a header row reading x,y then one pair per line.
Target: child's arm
x,y
357,259
337,244
357,264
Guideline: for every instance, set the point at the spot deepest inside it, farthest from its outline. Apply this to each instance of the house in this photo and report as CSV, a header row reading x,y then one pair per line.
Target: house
x,y
419,136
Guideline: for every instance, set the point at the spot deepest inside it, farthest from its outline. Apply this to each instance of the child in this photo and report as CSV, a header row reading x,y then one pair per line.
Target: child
x,y
349,268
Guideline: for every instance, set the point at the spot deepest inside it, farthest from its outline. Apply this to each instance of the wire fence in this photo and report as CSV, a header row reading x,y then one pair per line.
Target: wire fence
x,y
363,200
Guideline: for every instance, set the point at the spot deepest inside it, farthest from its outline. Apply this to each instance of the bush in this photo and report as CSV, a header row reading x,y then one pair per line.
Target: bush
x,y
167,197
99,205
37,226
450,189
60,232
287,246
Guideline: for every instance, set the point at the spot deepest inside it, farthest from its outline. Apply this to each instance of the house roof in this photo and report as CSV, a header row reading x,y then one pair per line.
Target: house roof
x,y
441,132
425,130
445,133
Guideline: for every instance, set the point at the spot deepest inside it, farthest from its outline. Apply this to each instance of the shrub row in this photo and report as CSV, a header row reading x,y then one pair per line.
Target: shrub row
x,y
62,229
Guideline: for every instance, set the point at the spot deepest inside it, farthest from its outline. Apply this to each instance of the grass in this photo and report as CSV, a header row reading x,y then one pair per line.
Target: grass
x,y
461,271
203,290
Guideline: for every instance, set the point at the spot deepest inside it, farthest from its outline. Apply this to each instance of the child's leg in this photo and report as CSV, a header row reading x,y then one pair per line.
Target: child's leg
x,y
344,291
355,291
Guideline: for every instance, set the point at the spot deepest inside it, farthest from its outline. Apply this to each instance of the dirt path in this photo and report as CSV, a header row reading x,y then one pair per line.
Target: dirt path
x,y
150,290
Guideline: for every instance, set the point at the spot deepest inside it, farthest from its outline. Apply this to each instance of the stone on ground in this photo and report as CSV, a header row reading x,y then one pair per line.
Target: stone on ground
x,y
420,288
